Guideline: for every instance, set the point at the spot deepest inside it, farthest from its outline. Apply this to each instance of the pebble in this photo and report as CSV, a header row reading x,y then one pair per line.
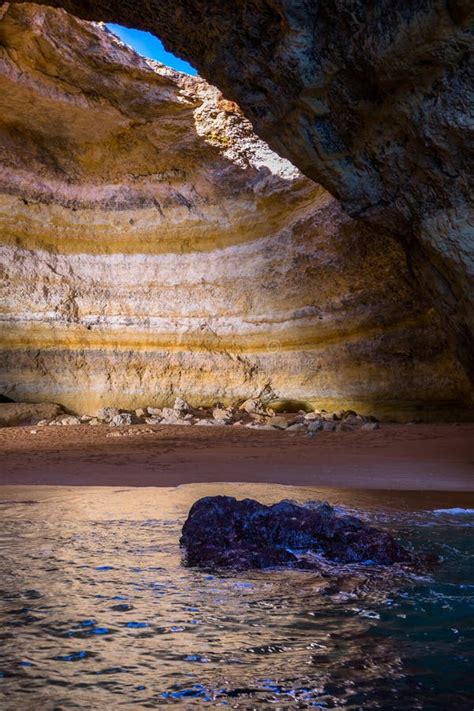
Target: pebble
x,y
175,421
221,415
70,420
107,413
346,427
369,426
253,405
153,411
167,412
181,405
121,420
297,427
152,420
283,421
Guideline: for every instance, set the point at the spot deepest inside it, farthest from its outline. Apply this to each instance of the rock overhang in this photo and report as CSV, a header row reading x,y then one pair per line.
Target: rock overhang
x,y
152,238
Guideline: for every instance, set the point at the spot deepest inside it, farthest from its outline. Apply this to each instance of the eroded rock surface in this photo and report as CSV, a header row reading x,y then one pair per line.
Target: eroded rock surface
x,y
153,246
374,100
222,532
22,413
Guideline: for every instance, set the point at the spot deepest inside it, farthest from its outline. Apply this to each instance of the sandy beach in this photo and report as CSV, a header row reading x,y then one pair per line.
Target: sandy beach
x,y
429,457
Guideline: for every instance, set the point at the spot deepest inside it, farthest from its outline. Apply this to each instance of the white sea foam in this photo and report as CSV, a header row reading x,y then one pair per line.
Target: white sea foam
x,y
455,512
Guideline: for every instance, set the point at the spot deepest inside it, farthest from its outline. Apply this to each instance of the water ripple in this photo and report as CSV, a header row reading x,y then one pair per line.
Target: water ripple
x,y
98,614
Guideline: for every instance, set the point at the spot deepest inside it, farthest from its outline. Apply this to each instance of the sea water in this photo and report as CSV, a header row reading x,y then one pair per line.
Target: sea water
x,y
97,610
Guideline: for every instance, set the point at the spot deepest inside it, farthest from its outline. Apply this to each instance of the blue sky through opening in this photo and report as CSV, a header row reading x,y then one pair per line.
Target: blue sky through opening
x,y
149,46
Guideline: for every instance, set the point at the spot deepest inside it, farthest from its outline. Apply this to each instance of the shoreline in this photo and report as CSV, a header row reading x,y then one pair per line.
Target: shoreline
x,y
428,457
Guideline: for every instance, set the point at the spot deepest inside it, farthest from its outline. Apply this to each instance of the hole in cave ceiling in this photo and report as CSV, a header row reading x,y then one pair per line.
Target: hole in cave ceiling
x,y
149,46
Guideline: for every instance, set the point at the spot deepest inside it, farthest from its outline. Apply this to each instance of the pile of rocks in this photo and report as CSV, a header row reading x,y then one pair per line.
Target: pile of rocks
x,y
252,413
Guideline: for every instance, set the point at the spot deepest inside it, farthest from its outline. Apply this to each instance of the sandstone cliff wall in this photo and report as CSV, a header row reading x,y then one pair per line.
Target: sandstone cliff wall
x,y
153,246
374,100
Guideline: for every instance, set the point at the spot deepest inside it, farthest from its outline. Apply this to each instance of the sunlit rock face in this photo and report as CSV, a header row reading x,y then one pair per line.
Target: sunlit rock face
x,y
373,100
153,246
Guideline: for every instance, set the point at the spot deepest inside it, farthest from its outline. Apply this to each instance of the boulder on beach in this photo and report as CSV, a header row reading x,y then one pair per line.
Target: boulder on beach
x,y
20,413
222,532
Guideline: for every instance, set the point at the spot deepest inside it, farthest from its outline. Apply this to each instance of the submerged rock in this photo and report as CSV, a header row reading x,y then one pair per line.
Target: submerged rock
x,y
222,532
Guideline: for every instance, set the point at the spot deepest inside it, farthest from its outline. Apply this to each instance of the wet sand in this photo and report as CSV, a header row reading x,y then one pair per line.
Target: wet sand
x,y
431,457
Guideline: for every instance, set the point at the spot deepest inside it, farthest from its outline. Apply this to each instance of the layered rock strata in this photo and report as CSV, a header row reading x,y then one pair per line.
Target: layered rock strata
x,y
153,246
374,100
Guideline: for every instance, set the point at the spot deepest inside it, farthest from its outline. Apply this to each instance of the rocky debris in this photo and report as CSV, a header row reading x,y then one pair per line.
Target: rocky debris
x,y
167,413
107,414
69,420
257,426
222,532
27,413
122,419
352,420
172,417
253,413
175,421
296,427
253,406
154,411
181,407
282,421
222,415
370,426
152,420
129,433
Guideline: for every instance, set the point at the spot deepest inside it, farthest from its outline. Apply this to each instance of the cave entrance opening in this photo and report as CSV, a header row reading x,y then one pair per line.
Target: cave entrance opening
x,y
151,47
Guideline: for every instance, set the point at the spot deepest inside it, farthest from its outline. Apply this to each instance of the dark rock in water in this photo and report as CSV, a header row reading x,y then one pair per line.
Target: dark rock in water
x,y
223,532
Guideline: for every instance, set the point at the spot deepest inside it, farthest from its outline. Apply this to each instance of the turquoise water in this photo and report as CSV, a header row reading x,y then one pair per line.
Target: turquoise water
x,y
97,611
